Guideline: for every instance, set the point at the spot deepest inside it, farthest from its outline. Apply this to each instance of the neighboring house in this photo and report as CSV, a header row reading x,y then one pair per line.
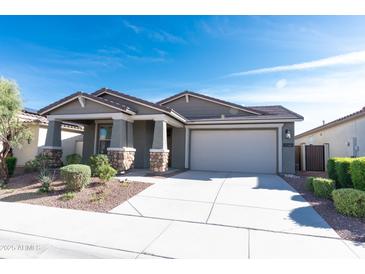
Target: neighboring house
x,y
71,136
344,137
188,130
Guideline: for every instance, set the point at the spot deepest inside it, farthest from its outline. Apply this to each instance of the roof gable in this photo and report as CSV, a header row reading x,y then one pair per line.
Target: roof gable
x,y
208,99
77,101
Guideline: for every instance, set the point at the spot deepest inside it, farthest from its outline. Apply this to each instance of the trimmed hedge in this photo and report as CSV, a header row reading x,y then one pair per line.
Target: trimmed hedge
x,y
76,177
73,159
11,164
349,201
323,187
342,166
357,170
331,168
96,162
309,184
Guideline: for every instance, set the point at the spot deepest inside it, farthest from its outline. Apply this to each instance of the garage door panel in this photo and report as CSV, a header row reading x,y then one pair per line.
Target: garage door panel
x,y
234,150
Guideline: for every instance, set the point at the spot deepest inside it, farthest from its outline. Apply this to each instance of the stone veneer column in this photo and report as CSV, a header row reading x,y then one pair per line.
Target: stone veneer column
x,y
120,155
159,154
53,146
121,159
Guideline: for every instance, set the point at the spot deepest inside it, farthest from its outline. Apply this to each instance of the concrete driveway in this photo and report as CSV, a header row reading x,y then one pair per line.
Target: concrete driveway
x,y
191,215
264,202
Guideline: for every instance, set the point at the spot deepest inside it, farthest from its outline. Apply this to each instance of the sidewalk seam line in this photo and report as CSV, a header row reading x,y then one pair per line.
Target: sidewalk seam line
x,y
215,199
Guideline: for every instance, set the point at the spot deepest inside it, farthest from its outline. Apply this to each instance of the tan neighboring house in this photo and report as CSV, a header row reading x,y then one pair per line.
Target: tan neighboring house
x,y
344,137
71,135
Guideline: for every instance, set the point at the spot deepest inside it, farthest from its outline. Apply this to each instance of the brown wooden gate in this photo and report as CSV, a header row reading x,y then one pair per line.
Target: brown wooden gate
x,y
314,158
298,157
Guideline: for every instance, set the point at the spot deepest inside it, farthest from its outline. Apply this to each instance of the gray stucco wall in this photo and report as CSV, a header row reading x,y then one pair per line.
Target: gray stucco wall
x,y
89,139
198,108
135,107
74,107
288,158
178,148
142,139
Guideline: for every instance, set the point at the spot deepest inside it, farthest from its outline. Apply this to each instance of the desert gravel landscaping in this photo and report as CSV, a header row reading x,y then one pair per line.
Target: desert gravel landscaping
x,y
349,228
97,196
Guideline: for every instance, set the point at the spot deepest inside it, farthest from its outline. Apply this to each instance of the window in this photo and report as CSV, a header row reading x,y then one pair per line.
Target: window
x,y
104,138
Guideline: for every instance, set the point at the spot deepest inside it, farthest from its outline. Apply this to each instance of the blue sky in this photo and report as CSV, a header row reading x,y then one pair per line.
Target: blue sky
x,y
312,65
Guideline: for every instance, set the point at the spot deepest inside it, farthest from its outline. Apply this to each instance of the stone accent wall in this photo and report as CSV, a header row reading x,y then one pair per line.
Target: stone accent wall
x,y
159,161
121,160
54,157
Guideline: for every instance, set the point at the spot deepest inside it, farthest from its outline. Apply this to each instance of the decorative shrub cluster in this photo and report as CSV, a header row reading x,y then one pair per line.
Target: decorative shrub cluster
x,y
11,164
101,167
309,184
96,162
357,170
76,177
350,202
323,187
39,162
348,175
106,172
342,167
331,169
73,159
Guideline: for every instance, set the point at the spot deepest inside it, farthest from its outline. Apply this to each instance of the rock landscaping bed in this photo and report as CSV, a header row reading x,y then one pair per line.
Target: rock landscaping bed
x,y
96,196
348,228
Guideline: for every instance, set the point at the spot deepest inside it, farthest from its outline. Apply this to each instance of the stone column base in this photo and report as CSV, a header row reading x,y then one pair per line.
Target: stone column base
x,y
159,160
121,159
54,156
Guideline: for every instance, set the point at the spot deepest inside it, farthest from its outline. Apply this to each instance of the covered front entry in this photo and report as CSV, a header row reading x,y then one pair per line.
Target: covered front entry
x,y
237,150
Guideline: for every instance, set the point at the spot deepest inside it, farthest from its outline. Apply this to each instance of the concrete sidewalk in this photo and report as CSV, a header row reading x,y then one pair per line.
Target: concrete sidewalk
x,y
63,233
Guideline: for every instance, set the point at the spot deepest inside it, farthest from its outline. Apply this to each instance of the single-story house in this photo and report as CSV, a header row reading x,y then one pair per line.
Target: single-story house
x,y
344,137
185,131
71,138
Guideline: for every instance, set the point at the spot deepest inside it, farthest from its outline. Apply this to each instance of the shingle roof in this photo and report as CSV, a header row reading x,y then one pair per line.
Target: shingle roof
x,y
30,116
83,94
186,92
266,111
341,120
118,93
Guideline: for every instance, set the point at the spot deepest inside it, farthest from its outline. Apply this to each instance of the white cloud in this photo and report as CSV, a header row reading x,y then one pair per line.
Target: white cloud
x,y
317,97
352,58
282,83
135,28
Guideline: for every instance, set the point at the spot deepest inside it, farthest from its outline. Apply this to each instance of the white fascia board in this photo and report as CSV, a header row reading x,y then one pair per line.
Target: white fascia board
x,y
253,121
90,116
279,125
158,117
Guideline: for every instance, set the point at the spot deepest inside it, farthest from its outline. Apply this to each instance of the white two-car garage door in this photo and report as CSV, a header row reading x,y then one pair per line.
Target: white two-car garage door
x,y
234,150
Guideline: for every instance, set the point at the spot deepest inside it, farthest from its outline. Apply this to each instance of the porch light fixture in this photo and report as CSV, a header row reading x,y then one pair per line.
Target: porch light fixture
x,y
287,134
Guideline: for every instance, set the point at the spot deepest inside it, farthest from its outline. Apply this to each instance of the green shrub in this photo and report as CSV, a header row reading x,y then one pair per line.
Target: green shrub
x,y
331,169
309,184
342,166
97,161
357,170
11,164
73,159
68,196
76,177
349,201
323,187
39,162
106,172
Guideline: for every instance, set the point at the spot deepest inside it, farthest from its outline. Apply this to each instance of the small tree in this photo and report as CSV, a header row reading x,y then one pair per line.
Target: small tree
x,y
12,131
